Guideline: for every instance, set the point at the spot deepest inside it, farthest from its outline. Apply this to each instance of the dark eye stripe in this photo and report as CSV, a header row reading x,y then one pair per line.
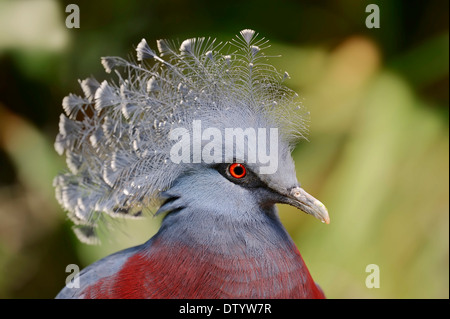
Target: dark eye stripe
x,y
247,179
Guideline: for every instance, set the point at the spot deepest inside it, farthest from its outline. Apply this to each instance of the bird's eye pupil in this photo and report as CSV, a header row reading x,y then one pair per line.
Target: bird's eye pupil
x,y
237,170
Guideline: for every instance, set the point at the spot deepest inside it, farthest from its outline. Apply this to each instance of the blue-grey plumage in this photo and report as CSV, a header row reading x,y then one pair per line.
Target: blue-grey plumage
x,y
234,230
204,132
116,137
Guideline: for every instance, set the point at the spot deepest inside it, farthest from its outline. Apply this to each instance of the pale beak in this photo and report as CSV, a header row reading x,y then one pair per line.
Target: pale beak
x,y
297,197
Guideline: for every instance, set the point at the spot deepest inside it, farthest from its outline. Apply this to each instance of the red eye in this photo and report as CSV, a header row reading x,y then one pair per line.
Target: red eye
x,y
237,170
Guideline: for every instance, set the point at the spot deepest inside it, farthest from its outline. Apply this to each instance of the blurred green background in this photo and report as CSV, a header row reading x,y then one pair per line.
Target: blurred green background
x,y
378,150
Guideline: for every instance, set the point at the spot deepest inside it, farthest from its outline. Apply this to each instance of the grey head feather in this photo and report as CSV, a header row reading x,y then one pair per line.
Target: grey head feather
x,y
116,137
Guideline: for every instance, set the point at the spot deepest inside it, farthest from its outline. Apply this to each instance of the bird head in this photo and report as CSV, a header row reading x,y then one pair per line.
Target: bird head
x,y
205,124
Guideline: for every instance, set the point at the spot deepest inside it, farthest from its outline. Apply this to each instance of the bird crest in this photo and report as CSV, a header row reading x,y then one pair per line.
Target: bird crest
x,y
118,136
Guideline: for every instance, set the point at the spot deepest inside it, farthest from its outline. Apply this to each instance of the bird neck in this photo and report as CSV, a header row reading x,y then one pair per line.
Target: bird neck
x,y
215,256
210,229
